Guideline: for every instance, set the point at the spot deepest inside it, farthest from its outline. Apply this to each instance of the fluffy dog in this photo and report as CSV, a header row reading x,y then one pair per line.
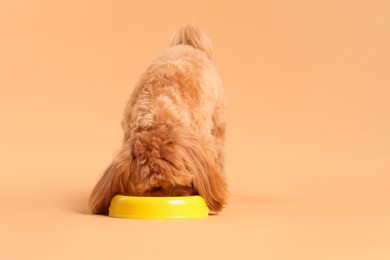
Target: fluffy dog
x,y
174,130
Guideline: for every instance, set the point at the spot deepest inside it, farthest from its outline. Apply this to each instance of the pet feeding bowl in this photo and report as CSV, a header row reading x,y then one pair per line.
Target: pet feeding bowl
x,y
179,207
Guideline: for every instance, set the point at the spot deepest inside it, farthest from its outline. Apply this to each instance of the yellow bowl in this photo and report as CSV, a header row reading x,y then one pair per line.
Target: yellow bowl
x,y
158,207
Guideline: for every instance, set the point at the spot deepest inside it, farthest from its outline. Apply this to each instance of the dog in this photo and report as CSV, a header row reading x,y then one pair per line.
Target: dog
x,y
174,130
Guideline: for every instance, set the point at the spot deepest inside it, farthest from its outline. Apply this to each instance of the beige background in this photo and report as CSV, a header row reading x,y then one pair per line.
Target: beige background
x,y
308,145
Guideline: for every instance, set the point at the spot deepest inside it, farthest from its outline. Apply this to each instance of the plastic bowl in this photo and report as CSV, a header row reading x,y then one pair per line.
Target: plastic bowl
x,y
179,207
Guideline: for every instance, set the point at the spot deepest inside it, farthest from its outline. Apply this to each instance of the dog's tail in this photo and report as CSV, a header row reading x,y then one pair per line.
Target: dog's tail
x,y
193,36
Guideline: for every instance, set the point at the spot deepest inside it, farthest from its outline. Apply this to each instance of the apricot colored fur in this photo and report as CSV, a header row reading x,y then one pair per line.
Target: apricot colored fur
x,y
174,130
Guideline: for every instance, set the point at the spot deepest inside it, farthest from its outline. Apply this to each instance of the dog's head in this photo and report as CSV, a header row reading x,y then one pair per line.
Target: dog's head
x,y
170,161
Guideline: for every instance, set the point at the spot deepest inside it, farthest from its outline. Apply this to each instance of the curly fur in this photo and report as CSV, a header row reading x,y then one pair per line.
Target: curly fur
x,y
174,130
